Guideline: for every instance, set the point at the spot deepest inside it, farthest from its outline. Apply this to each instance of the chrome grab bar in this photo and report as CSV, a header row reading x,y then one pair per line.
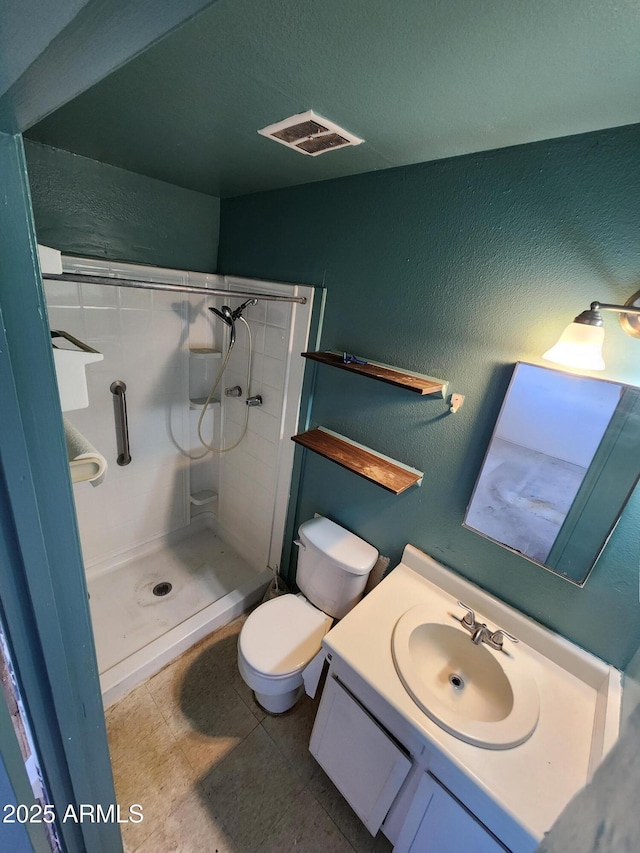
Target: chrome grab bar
x,y
58,333
118,389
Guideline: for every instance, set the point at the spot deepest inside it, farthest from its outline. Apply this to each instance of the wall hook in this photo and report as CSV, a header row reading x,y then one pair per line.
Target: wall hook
x,y
456,402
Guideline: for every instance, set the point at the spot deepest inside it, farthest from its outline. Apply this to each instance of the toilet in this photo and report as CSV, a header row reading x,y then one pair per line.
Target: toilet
x,y
283,635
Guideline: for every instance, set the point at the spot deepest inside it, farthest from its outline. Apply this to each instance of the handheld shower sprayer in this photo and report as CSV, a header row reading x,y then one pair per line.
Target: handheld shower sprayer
x,y
230,316
226,314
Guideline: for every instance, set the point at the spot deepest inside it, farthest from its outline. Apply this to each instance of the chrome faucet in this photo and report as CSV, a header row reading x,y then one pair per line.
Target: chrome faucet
x,y
480,633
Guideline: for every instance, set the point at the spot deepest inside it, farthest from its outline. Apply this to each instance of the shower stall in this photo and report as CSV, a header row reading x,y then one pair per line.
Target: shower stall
x,y
185,536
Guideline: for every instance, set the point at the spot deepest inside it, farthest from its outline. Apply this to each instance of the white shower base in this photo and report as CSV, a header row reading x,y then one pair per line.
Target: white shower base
x,y
136,632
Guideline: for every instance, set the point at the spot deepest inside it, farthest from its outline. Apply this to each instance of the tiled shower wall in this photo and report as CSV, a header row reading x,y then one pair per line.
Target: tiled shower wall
x,y
144,337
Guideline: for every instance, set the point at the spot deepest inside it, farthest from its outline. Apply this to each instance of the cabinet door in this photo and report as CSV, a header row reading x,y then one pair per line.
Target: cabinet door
x,y
438,823
358,755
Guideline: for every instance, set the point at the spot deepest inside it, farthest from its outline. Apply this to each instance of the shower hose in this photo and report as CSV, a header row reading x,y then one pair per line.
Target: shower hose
x,y
222,449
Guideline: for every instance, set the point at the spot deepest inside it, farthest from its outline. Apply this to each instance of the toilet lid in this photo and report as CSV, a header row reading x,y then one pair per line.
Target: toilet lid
x,y
283,634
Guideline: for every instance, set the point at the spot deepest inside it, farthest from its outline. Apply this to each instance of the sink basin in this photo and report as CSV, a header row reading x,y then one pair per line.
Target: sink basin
x,y
482,696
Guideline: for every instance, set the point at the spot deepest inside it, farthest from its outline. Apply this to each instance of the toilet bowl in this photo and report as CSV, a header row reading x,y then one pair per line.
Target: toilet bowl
x,y
282,636
276,643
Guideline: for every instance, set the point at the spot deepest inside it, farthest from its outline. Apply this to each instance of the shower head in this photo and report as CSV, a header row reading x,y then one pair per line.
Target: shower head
x,y
230,316
227,315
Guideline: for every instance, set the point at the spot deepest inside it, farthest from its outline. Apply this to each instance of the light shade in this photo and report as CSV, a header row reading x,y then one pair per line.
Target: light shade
x,y
580,345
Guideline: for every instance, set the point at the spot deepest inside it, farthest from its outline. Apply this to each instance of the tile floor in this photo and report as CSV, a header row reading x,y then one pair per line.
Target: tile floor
x,y
215,774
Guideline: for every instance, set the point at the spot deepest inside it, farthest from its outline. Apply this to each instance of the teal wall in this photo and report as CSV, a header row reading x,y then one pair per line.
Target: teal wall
x,y
88,208
458,268
53,51
43,594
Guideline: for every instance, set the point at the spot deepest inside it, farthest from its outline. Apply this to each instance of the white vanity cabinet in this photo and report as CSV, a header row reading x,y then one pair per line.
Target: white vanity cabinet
x,y
383,774
438,823
364,762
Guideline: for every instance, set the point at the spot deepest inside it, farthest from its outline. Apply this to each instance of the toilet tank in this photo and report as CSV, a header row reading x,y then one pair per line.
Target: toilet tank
x,y
333,565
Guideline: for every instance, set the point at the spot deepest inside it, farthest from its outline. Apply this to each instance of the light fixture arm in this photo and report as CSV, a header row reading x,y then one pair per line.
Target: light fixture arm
x,y
621,309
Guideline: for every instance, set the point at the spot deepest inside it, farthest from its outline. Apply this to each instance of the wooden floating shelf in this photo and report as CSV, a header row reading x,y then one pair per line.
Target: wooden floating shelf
x,y
391,475
416,382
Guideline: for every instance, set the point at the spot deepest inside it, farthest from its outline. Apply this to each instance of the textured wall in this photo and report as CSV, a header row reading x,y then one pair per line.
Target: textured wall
x,y
458,268
52,51
89,208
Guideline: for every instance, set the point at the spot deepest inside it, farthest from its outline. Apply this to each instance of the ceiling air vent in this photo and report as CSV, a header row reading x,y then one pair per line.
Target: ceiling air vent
x,y
310,134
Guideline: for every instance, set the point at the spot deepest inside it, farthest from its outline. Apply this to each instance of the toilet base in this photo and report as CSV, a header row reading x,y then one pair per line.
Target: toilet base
x,y
278,703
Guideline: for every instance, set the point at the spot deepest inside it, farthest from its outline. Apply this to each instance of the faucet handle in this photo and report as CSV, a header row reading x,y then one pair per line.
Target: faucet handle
x,y
469,619
498,636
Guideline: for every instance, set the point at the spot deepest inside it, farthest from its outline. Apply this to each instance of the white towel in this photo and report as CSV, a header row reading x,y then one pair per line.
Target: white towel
x,y
84,460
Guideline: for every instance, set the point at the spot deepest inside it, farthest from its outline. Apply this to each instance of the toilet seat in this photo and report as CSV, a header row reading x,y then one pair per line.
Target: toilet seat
x,y
282,636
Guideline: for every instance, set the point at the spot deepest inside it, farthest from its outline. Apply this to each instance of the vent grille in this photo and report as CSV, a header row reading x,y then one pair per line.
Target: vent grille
x,y
320,144
298,131
310,134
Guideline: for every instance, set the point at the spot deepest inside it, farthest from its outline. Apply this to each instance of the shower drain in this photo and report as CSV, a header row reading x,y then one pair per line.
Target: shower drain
x,y
163,588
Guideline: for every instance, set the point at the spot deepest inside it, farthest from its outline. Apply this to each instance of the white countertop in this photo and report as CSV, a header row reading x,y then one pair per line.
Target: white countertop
x,y
579,694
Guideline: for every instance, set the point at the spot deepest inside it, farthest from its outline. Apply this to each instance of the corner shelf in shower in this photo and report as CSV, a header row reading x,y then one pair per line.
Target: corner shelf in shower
x,y
373,466
419,383
206,496
200,376
198,403
204,352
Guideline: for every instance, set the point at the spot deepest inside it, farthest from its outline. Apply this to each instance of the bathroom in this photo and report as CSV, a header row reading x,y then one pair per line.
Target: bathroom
x,y
457,268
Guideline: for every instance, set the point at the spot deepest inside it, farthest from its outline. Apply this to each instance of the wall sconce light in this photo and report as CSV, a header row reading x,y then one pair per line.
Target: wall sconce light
x,y
580,345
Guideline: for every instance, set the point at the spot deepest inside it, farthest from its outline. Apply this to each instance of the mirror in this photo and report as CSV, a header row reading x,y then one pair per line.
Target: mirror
x,y
563,459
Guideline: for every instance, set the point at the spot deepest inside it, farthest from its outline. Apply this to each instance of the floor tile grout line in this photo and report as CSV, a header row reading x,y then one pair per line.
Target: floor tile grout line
x,y
222,824
295,772
164,719
326,810
305,789
152,735
200,790
229,756
158,709
195,770
311,794
246,704
330,816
